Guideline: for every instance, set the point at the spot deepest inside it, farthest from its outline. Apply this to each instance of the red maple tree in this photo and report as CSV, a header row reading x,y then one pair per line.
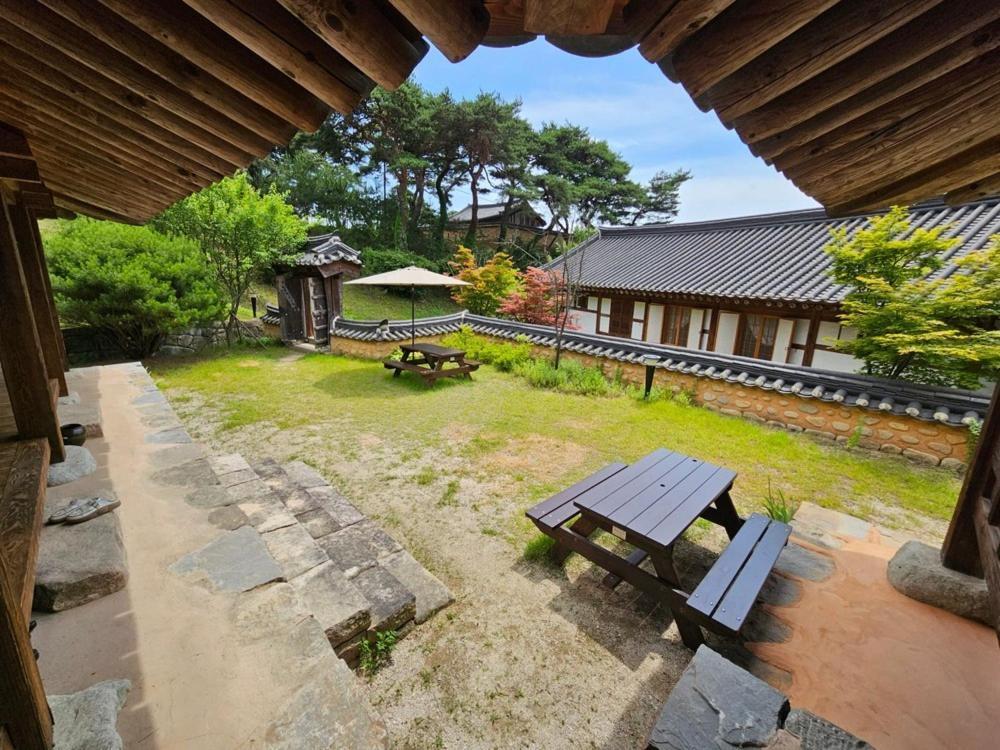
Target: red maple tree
x,y
542,300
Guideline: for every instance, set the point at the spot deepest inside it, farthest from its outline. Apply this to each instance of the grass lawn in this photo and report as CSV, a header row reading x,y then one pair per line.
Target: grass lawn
x,y
499,430
448,472
369,303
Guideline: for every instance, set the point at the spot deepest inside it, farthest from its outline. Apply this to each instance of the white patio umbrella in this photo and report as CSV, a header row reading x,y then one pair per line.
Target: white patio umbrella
x,y
411,276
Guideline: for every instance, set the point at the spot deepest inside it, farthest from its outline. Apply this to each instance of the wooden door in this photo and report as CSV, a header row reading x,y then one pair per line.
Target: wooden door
x,y
621,317
307,312
290,303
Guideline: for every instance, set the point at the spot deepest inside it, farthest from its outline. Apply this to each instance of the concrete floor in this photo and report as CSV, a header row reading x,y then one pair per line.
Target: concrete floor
x,y
208,669
898,673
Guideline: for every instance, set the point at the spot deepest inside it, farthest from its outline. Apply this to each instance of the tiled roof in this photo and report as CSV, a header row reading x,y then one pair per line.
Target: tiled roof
x,y
272,314
929,403
327,248
769,257
488,211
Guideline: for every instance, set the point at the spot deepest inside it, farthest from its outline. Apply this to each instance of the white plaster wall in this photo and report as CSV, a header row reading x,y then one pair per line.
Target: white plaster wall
x,y
655,325
694,331
725,336
782,339
835,361
801,332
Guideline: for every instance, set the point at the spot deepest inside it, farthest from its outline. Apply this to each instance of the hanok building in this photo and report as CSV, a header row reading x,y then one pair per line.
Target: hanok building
x,y
497,224
757,286
311,290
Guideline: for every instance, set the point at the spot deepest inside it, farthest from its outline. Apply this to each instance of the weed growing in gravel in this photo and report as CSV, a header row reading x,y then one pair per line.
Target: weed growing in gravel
x,y
376,653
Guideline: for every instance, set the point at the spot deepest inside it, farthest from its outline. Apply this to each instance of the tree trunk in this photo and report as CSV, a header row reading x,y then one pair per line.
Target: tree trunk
x,y
508,205
442,220
402,183
470,234
417,206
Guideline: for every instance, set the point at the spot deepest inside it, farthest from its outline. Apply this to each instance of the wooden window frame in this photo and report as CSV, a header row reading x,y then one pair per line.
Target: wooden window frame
x,y
682,310
644,319
741,330
602,317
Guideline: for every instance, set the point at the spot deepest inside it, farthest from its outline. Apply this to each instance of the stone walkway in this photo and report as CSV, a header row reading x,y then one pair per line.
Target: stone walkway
x,y
240,579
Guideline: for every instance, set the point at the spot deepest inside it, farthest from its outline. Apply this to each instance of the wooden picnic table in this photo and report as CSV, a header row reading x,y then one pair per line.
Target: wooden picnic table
x,y
650,505
430,362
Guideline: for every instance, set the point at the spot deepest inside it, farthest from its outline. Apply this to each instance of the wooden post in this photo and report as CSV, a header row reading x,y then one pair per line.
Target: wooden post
x,y
811,336
48,292
32,396
36,277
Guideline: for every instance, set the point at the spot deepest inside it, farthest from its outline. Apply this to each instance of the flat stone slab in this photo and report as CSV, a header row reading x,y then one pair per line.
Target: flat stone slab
x,y
339,508
235,561
150,397
916,571
716,704
175,455
318,523
79,563
799,562
816,733
79,463
299,500
234,478
392,604
196,473
210,496
294,550
254,489
825,525
357,547
336,603
431,594
170,436
228,463
267,514
88,720
304,475
228,517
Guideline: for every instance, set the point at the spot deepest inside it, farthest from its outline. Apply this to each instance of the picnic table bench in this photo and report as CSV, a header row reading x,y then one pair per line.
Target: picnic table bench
x,y
649,505
430,362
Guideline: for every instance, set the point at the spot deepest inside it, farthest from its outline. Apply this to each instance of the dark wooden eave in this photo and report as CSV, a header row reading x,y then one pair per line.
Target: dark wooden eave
x,y
131,106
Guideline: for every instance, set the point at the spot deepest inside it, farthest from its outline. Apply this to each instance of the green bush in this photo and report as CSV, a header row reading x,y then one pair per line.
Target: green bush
x,y
133,283
379,260
571,377
505,357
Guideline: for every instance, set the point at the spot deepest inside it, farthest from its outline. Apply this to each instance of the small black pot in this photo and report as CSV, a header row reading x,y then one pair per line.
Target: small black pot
x,y
74,434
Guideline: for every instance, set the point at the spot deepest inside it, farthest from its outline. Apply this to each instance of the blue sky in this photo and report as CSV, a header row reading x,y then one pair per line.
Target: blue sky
x,y
628,102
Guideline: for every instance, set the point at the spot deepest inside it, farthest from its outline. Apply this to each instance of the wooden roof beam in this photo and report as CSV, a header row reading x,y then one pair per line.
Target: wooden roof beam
x,y
839,34
363,34
188,34
170,66
13,142
49,27
35,111
19,168
954,173
40,203
123,208
455,28
953,36
296,52
661,26
983,187
567,17
741,33
40,60
77,206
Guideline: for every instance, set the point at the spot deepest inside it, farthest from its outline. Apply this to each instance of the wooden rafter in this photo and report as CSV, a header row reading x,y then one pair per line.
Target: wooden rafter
x,y
567,17
455,28
661,26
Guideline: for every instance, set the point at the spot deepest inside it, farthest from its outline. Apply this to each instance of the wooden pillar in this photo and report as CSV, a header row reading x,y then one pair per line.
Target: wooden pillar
x,y
811,336
36,277
713,329
32,396
48,291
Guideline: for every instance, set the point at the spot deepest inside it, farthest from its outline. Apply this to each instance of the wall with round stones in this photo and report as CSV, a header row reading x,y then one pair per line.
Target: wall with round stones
x,y
927,442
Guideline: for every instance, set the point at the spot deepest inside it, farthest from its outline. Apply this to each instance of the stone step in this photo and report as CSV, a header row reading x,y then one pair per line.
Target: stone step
x,y
352,576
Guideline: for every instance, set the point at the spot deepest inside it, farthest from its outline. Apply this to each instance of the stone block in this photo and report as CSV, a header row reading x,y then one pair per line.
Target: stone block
x,y
791,414
358,546
254,489
808,408
234,478
299,500
943,448
899,426
799,562
953,463
88,720
267,514
228,517
294,550
926,458
431,594
303,475
342,511
816,733
169,436
79,463
227,464
79,563
929,431
840,426
197,473
318,523
392,604
235,561
338,605
916,571
890,448
816,421
716,704
909,439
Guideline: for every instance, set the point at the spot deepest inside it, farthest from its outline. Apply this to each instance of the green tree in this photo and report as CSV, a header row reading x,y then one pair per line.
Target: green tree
x,y
132,283
241,233
912,324
489,284
660,199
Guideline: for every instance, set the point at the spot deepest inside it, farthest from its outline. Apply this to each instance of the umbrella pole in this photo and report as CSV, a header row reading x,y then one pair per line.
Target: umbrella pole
x,y
413,316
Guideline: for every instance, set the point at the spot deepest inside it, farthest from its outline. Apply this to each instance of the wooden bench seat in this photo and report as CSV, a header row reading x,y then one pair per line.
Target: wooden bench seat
x,y
558,509
728,591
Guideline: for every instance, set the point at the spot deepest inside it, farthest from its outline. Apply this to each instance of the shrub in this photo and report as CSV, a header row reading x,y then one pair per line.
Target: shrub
x,y
132,283
489,284
541,301
500,354
379,260
571,377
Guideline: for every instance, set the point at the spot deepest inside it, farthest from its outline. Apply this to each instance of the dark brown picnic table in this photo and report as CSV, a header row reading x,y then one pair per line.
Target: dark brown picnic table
x,y
650,504
430,360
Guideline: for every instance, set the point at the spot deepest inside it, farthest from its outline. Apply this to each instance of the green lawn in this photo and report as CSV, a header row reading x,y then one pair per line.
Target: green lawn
x,y
514,443
369,303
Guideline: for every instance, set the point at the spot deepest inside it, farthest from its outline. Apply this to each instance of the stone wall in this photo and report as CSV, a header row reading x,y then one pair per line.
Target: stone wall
x,y
927,442
192,341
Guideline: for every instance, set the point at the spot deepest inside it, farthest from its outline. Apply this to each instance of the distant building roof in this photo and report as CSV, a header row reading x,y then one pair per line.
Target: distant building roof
x,y
492,212
769,257
327,248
